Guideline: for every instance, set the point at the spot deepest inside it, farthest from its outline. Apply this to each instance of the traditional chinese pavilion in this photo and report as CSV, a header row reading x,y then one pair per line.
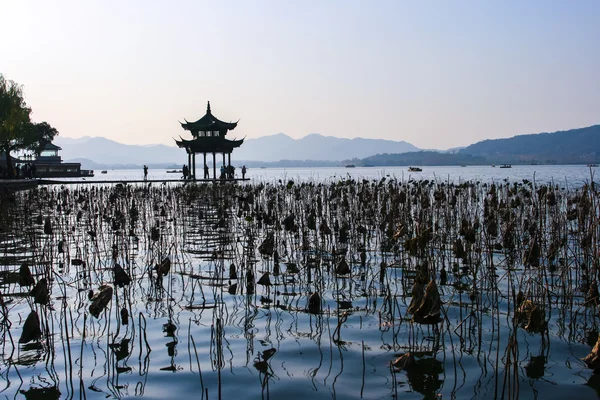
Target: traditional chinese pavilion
x,y
208,137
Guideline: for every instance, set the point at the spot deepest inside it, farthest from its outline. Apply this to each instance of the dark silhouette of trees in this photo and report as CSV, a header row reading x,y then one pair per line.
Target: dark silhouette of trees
x,y
17,131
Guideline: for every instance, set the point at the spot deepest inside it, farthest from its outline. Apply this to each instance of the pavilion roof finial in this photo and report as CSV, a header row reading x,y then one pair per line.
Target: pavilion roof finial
x,y
208,108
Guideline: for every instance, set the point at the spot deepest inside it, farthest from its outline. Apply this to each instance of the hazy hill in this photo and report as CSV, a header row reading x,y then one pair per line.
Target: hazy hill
x,y
266,149
107,152
576,146
419,158
89,164
316,147
564,147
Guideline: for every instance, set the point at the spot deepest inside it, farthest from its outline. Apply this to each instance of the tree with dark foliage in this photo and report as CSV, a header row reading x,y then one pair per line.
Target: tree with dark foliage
x,y
17,132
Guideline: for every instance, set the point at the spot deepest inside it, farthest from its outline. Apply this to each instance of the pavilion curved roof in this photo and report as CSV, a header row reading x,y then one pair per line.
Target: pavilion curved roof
x,y
208,123
209,144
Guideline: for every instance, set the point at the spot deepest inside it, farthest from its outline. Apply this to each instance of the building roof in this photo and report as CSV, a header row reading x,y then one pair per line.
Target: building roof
x,y
209,144
208,123
51,146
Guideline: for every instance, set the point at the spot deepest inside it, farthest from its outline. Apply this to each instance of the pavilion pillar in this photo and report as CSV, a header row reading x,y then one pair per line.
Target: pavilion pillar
x,y
214,165
204,167
189,165
224,169
194,165
229,164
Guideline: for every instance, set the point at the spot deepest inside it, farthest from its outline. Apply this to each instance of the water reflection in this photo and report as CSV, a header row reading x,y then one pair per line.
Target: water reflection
x,y
247,290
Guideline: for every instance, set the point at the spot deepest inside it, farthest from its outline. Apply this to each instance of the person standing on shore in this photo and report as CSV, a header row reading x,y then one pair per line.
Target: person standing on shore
x,y
243,172
145,172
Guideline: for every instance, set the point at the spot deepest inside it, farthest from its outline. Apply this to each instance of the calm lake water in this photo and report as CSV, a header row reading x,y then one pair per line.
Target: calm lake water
x,y
563,175
197,331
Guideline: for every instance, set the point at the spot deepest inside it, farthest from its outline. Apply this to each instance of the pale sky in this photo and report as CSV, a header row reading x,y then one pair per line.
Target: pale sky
x,y
437,74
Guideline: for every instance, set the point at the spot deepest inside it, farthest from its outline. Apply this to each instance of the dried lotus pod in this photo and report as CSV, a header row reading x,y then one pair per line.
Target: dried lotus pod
x,y
265,280
342,268
417,297
40,292
31,328
592,360
405,362
25,276
164,267
267,246
100,300
426,309
121,276
532,316
314,303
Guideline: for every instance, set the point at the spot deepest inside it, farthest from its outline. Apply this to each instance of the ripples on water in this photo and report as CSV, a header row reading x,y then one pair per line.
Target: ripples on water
x,y
197,330
563,175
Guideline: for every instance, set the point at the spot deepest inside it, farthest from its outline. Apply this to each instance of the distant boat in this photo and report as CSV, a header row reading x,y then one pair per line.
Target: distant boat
x,y
104,172
592,165
414,169
506,166
175,171
350,166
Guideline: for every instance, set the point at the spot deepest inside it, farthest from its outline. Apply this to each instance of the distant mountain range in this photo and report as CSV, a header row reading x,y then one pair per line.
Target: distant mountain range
x,y
316,147
99,152
419,158
103,151
575,146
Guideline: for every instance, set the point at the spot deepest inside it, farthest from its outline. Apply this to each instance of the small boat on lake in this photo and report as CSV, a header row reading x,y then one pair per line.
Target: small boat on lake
x,y
350,166
175,171
414,169
104,172
506,166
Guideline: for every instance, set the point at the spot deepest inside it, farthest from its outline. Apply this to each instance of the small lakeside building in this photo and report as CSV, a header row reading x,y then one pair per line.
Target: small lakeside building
x,y
49,164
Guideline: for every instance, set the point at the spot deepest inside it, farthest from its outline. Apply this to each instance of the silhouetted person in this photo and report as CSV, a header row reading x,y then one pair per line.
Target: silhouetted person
x,y
145,172
243,172
185,171
206,174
